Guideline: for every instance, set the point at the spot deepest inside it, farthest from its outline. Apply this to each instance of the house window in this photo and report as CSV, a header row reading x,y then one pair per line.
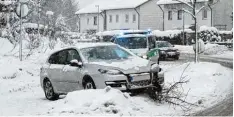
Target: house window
x,y
110,18
126,18
95,20
204,14
169,15
87,20
117,18
134,18
180,15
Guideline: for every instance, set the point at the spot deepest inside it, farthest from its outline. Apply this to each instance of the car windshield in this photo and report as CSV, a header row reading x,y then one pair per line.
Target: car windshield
x,y
164,44
132,42
104,53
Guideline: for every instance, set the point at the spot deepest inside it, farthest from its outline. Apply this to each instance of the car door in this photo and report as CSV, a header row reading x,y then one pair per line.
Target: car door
x,y
72,75
58,63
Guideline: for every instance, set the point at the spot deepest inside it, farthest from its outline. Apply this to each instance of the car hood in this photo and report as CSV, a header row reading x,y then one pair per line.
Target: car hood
x,y
168,48
127,66
139,52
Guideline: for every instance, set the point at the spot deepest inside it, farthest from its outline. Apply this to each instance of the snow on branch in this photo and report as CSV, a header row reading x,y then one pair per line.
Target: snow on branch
x,y
181,1
189,13
200,9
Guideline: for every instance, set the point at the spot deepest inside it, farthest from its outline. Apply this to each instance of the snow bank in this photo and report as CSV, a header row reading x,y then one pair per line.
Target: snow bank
x,y
105,101
210,49
214,49
208,82
5,46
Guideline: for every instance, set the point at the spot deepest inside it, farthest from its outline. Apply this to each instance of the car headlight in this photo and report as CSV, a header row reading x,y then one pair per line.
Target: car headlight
x,y
110,72
155,68
144,57
162,52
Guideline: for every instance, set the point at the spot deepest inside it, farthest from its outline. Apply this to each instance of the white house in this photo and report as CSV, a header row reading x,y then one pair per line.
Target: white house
x,y
215,15
120,14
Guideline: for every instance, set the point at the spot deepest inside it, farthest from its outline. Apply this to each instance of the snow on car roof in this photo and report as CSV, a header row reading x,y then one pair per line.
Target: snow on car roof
x,y
131,35
161,2
110,4
87,45
116,32
82,45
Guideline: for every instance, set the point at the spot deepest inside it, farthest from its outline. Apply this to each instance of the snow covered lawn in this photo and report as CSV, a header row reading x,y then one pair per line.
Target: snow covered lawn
x,y
21,94
212,50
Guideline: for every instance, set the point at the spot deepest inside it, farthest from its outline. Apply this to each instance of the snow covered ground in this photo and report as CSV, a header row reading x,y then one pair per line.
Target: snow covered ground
x,y
21,94
212,50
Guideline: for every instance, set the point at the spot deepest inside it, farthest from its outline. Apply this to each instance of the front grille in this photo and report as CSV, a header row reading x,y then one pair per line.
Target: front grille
x,y
116,83
141,83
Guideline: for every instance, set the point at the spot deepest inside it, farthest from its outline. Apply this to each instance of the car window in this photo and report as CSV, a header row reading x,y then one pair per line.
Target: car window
x,y
62,56
152,42
104,53
72,54
53,59
164,44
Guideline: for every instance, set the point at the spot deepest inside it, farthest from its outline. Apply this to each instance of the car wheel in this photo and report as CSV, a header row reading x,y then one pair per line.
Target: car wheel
x,y
155,93
177,58
89,84
49,91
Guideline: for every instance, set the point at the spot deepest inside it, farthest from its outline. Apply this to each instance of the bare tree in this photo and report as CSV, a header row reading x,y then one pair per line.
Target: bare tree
x,y
193,10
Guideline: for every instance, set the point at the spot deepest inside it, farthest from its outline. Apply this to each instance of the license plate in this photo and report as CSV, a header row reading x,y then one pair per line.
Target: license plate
x,y
139,77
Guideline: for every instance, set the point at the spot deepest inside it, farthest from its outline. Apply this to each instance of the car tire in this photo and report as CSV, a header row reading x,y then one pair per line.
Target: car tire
x,y
89,84
155,93
177,58
49,90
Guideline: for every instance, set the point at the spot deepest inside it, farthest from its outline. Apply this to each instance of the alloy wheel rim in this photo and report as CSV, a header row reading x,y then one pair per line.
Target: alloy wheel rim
x,y
48,89
89,85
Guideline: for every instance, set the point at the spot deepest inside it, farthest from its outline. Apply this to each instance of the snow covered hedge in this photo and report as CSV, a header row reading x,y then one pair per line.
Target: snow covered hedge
x,y
209,34
173,36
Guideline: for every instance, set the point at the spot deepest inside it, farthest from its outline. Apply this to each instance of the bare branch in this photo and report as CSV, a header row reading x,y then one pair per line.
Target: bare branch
x,y
189,13
200,9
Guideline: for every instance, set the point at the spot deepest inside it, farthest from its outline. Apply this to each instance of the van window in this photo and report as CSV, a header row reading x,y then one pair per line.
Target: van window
x,y
152,43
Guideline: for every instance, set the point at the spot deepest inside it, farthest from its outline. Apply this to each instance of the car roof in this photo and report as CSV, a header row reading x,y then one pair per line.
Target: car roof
x,y
87,45
83,45
131,35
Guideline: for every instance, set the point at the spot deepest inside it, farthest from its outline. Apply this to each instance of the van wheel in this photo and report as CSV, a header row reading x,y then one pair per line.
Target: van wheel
x,y
89,84
49,91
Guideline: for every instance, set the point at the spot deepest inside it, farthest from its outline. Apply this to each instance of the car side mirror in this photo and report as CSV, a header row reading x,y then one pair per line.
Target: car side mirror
x,y
75,63
173,45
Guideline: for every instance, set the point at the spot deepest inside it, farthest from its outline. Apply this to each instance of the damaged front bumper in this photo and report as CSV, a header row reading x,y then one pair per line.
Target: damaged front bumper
x,y
141,82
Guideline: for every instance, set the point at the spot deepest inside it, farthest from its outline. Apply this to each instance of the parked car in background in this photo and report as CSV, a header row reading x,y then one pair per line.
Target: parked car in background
x,y
95,66
167,50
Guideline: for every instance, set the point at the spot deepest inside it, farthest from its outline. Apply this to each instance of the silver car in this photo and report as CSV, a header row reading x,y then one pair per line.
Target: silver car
x,y
95,66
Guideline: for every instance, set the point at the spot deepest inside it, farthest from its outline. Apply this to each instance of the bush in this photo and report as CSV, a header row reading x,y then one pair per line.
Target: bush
x,y
209,34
